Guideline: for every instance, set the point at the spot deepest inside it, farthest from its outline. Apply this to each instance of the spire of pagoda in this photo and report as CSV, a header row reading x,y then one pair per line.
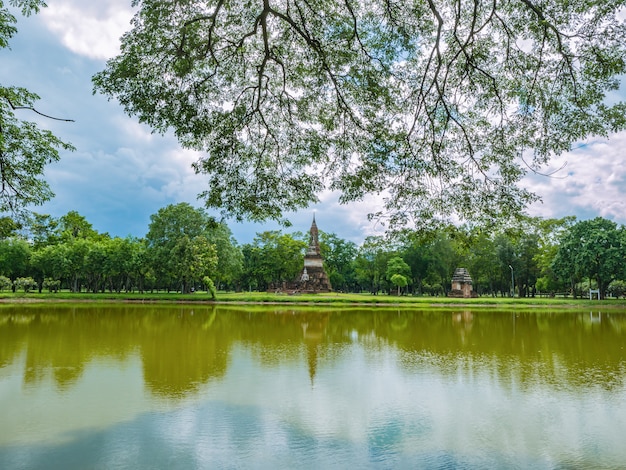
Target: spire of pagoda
x,y
314,243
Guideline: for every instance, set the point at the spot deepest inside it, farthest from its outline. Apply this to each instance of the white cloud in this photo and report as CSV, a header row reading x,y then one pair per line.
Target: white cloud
x,y
91,29
592,182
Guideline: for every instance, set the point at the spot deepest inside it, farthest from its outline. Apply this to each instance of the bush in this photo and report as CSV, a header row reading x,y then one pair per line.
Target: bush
x,y
435,289
617,289
53,285
210,286
5,283
26,283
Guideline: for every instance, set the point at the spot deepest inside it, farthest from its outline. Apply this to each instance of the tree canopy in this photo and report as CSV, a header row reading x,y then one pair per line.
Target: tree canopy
x,y
595,249
25,149
440,106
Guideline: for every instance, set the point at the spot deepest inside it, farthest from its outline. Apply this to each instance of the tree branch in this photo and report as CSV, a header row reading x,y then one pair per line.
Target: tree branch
x,y
30,108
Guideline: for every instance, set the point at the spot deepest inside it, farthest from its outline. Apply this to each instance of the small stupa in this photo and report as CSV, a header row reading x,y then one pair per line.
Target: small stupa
x,y
462,285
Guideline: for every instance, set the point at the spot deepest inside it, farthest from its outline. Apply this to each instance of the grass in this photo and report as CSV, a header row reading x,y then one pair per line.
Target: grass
x,y
330,298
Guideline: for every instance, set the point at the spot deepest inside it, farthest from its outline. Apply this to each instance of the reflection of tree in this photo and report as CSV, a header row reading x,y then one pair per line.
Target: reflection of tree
x,y
184,347
12,337
181,352
180,348
526,348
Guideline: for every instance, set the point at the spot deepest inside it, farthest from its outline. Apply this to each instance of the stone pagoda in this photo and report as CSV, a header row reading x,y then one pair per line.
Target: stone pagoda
x,y
313,277
462,284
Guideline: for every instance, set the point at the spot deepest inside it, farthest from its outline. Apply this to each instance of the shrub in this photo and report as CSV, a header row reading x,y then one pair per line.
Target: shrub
x,y
5,283
26,283
210,286
53,285
617,289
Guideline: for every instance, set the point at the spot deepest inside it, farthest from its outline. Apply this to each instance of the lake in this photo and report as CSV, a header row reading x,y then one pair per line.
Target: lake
x,y
108,386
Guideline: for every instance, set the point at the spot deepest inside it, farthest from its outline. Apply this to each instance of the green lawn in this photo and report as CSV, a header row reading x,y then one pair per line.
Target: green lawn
x,y
331,298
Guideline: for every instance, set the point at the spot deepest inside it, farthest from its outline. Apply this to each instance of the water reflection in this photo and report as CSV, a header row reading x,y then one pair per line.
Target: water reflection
x,y
381,387
182,348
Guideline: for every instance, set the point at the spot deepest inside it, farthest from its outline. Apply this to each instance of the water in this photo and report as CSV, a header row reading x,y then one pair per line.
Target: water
x,y
136,386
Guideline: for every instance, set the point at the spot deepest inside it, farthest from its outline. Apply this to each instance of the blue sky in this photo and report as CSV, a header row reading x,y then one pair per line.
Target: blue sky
x,y
121,173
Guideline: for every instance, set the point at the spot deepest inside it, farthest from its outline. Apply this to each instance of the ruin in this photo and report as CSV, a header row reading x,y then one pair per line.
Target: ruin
x,y
462,285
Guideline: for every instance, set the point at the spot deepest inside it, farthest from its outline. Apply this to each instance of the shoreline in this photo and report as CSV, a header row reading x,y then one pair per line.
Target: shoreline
x,y
264,299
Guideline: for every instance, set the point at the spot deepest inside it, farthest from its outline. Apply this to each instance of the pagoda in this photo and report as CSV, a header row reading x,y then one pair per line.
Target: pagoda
x,y
313,277
462,284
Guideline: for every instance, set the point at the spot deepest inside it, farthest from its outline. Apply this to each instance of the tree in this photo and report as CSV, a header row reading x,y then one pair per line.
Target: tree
x,y
617,288
551,231
483,262
417,256
43,230
122,268
50,262
275,257
370,264
592,248
445,258
73,225
5,283
229,255
25,149
180,246
399,281
75,254
442,105
96,263
9,227
193,259
167,227
398,272
338,255
15,256
25,283
507,260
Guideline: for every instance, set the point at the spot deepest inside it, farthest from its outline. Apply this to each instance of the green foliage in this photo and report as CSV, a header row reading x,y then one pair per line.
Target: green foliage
x,y
273,258
25,283
434,289
370,264
338,255
617,288
25,149
184,246
180,245
432,103
51,261
595,249
5,283
397,265
229,255
43,229
15,255
208,282
9,227
7,20
73,225
53,285
399,281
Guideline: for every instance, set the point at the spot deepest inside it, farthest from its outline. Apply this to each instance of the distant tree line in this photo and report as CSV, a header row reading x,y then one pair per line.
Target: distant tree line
x,y
186,250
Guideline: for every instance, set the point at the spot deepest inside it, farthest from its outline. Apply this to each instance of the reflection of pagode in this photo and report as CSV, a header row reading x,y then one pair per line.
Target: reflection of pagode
x,y
463,317
313,333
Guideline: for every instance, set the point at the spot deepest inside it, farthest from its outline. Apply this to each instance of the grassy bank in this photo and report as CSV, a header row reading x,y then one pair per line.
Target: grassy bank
x,y
331,298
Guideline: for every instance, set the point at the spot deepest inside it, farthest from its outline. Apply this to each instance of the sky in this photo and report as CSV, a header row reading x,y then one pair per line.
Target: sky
x,y
121,173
